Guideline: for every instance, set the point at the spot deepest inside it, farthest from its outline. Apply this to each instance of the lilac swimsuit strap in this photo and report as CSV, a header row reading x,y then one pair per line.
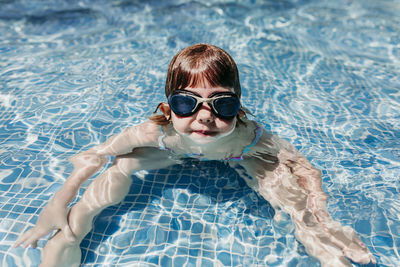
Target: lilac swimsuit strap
x,y
257,134
161,144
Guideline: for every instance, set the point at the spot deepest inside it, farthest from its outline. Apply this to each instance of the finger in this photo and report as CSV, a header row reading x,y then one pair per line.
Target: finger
x,y
68,233
359,256
34,244
22,238
34,237
372,258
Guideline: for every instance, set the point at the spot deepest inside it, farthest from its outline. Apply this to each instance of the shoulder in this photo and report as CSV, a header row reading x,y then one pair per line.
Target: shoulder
x,y
146,133
149,127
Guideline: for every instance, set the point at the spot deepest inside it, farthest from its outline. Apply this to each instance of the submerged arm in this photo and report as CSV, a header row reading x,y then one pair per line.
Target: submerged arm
x,y
290,183
86,164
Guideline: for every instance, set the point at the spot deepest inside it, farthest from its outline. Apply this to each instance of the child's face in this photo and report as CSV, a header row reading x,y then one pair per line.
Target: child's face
x,y
203,127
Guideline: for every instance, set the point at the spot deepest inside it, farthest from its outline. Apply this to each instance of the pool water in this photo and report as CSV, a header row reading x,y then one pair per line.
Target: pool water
x,y
322,74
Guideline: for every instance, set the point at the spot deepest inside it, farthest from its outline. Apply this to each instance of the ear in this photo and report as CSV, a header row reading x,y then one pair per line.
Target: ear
x,y
165,109
242,113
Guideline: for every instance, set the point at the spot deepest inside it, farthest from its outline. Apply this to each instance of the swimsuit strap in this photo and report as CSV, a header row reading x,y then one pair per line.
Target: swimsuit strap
x,y
161,144
257,134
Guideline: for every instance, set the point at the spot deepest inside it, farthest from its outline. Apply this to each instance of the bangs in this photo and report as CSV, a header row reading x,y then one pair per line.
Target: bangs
x,y
197,78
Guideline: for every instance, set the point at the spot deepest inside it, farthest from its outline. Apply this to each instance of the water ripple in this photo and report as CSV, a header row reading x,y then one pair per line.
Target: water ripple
x,y
322,74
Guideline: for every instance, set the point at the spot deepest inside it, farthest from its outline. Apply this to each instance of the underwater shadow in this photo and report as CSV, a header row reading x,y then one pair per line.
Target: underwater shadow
x,y
210,191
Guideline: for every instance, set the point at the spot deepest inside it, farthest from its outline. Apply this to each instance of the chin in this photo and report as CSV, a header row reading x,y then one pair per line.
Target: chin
x,y
202,140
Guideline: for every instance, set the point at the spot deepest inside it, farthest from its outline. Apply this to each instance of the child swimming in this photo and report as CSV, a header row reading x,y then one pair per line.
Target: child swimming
x,y
203,118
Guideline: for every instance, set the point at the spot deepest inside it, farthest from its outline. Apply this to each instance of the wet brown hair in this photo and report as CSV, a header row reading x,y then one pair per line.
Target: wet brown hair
x,y
196,64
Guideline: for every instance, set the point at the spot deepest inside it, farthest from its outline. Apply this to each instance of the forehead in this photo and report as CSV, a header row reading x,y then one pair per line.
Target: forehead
x,y
204,85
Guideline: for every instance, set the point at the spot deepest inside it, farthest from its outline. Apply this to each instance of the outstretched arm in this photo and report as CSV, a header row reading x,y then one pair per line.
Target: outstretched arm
x,y
342,237
86,164
290,183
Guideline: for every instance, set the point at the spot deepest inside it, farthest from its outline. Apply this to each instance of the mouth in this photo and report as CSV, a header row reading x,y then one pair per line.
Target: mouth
x,y
205,133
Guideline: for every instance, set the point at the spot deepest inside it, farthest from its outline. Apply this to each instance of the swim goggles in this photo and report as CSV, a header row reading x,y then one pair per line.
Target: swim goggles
x,y
224,105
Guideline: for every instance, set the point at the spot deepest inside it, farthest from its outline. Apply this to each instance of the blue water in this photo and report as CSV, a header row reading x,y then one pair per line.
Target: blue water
x,y
322,74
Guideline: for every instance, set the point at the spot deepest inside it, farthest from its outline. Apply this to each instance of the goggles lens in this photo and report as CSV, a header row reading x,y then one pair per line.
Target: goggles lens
x,y
182,105
227,106
224,105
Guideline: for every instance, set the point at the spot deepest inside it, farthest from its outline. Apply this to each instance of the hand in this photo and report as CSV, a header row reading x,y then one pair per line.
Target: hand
x,y
52,217
352,246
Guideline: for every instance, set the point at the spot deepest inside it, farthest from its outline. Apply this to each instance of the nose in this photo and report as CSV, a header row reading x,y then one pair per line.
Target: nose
x,y
205,115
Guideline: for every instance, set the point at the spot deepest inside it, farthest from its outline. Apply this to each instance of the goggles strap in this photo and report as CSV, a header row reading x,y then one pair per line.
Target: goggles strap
x,y
158,106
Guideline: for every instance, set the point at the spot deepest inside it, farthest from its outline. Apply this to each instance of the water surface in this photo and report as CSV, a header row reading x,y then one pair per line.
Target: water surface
x,y
321,74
